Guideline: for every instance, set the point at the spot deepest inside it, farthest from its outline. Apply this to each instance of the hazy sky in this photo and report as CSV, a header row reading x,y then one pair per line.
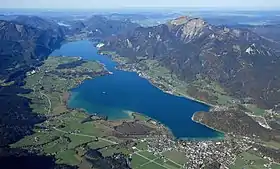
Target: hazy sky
x,y
92,4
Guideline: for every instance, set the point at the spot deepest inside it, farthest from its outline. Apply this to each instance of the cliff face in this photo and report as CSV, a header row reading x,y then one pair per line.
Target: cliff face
x,y
241,61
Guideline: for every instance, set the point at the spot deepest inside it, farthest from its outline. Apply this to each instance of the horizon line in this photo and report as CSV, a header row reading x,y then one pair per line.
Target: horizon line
x,y
148,7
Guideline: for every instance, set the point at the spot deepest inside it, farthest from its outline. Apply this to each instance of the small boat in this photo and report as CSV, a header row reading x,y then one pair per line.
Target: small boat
x,y
104,92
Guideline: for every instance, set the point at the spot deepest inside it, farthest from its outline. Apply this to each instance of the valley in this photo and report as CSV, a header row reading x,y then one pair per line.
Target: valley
x,y
66,135
78,111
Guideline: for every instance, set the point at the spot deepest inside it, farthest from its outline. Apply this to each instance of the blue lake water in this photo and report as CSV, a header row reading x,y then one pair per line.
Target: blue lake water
x,y
114,95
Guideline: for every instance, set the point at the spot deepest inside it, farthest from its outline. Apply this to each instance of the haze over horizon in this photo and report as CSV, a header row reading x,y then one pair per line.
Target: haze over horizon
x,y
96,4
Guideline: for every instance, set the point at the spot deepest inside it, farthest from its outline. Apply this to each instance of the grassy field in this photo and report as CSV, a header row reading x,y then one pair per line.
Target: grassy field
x,y
255,110
59,134
176,156
275,166
137,161
151,161
272,144
142,145
248,160
148,154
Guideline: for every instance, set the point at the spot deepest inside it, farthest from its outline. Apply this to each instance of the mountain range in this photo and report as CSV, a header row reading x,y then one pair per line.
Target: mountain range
x,y
25,42
244,63
102,27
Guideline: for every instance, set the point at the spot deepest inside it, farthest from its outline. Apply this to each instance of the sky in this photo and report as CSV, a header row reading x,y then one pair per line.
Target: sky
x,y
93,4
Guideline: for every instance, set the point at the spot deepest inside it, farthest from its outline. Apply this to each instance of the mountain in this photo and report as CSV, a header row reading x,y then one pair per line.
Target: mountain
x,y
102,27
245,64
23,45
271,31
37,22
24,42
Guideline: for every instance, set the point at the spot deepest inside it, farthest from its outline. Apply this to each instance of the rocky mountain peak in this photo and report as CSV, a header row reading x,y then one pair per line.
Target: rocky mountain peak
x,y
187,28
179,21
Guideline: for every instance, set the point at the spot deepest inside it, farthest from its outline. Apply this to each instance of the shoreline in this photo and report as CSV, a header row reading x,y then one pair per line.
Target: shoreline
x,y
158,124
69,93
217,130
151,81
178,94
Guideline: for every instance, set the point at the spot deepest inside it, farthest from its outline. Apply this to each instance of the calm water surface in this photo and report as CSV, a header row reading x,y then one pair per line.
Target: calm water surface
x,y
114,95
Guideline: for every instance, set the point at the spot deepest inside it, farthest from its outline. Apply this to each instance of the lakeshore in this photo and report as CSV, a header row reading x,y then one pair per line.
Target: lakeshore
x,y
153,81
69,133
113,94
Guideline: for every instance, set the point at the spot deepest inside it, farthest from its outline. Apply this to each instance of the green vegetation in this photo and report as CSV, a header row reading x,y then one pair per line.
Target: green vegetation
x,y
110,150
273,144
248,160
142,145
137,161
202,90
62,133
255,109
68,157
275,166
148,154
151,166
141,117
166,163
177,157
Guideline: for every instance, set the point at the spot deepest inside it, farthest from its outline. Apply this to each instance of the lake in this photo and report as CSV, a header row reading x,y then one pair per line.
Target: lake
x,y
115,95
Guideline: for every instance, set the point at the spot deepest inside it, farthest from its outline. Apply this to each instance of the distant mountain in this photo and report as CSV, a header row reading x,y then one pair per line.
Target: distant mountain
x,y
101,27
24,44
240,60
271,31
37,22
77,26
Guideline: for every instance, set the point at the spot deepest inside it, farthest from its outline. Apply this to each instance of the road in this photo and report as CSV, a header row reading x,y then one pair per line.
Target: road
x,y
49,100
153,160
85,135
150,160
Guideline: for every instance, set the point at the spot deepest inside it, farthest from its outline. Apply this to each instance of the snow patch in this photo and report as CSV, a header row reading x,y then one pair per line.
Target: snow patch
x,y
129,44
249,50
158,38
100,45
150,34
63,24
